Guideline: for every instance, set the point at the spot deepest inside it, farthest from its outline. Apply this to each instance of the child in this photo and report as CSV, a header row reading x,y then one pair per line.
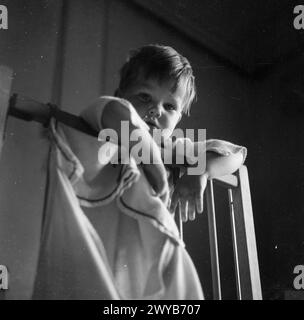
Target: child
x,y
157,84
127,203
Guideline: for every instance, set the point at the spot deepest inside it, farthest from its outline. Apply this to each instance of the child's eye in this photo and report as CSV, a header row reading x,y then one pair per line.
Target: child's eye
x,y
169,106
144,97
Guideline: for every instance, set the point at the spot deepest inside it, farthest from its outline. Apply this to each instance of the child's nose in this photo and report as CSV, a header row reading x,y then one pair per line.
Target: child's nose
x,y
155,111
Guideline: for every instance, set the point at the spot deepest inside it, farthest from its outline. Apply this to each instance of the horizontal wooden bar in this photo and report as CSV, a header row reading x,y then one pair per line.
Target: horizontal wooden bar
x,y
30,110
228,181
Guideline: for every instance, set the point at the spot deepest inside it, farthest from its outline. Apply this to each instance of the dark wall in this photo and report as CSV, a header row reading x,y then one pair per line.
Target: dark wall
x,y
276,167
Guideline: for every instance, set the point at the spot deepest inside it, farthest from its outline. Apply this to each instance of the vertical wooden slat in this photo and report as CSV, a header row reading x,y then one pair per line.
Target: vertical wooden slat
x,y
6,77
215,267
235,246
245,234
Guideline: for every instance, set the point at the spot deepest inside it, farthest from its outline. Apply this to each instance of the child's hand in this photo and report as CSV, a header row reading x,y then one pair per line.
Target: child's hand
x,y
157,177
189,192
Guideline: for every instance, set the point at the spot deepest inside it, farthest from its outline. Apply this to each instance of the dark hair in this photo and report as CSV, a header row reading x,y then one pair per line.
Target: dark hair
x,y
161,63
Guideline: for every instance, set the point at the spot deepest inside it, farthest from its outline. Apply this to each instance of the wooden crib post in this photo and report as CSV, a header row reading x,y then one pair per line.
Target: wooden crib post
x,y
6,78
248,267
243,236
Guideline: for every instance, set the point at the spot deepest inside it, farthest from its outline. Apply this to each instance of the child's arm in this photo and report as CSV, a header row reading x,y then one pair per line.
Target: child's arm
x,y
189,189
218,165
118,110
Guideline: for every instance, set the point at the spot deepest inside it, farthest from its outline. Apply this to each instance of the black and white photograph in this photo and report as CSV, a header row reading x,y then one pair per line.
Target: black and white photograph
x,y
151,150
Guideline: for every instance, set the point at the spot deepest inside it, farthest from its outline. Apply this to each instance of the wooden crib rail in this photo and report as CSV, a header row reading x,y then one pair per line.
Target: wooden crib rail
x,y
243,236
246,264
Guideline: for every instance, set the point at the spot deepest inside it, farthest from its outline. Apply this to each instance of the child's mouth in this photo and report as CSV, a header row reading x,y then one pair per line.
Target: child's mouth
x,y
152,125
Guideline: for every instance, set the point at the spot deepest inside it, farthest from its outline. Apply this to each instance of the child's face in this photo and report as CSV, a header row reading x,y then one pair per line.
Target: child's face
x,y
156,103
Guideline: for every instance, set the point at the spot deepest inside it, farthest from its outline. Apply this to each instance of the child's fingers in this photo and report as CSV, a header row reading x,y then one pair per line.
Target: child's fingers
x,y
191,209
174,202
199,201
184,210
199,197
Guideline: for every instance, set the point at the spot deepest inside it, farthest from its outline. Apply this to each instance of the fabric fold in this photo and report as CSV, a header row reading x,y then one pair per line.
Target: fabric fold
x,y
72,261
107,238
